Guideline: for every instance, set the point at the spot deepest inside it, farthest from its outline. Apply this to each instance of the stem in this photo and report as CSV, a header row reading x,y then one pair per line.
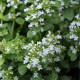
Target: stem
x,y
1,11
13,27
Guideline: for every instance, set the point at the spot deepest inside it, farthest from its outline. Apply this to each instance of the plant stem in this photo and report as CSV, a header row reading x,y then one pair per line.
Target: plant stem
x,y
12,28
1,11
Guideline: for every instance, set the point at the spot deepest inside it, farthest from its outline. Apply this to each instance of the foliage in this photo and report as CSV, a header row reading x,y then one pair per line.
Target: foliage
x,y
39,39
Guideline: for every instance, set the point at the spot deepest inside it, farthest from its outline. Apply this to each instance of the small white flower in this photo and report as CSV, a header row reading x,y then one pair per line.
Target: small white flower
x,y
10,67
15,6
42,29
58,50
39,6
77,16
41,20
74,51
26,1
0,24
35,62
12,3
34,32
26,59
27,9
1,74
8,5
48,10
59,37
57,59
15,78
7,49
27,18
39,67
28,66
58,69
35,75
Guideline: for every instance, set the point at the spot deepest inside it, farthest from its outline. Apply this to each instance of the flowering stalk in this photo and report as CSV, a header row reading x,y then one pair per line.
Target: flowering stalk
x,y
13,28
1,11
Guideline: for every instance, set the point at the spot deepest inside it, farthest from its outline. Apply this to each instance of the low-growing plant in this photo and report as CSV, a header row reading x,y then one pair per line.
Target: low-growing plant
x,y
39,39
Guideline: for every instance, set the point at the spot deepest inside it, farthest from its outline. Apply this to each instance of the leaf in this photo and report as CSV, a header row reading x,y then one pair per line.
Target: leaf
x,y
53,76
20,20
48,26
65,78
22,69
73,56
29,34
2,60
5,18
66,2
1,16
79,64
68,13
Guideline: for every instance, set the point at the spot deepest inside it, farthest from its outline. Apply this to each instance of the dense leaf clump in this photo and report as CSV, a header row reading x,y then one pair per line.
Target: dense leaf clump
x,y
39,39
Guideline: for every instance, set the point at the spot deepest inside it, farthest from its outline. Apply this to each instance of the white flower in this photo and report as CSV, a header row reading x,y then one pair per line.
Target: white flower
x,y
71,47
40,13
33,16
44,60
39,6
51,47
26,59
7,49
34,32
8,5
45,52
58,50
8,0
77,16
28,66
15,78
48,10
74,37
58,69
42,29
12,3
31,24
15,6
26,1
39,67
0,24
59,37
27,18
35,62
35,75
24,47
41,20
57,59
10,67
27,9
52,2
74,51
1,74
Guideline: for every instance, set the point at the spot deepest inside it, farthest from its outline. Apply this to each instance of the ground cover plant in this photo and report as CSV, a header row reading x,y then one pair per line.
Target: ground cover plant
x,y
39,39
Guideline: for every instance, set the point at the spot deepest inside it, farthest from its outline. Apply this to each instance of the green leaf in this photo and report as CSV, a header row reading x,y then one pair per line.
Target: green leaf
x,y
1,16
65,78
29,34
53,76
20,20
2,60
22,69
68,13
79,64
66,2
73,56
5,18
